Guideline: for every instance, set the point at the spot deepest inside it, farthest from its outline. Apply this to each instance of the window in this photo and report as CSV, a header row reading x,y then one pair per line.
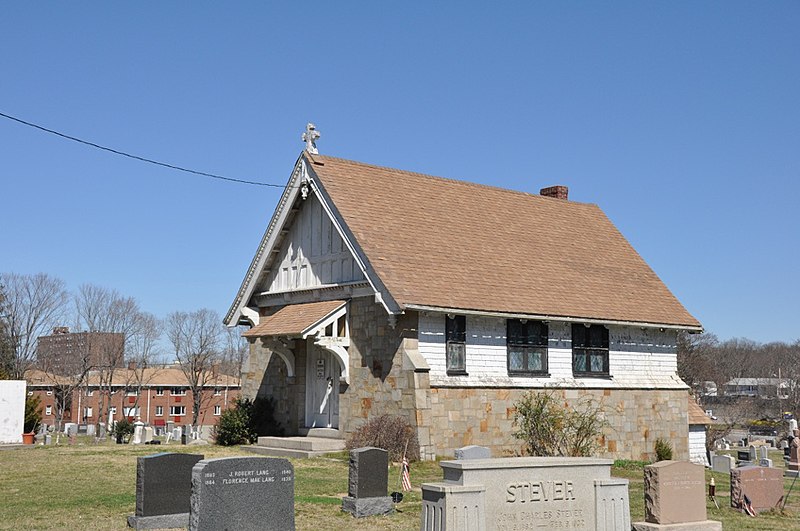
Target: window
x,y
159,391
177,391
526,343
130,411
456,346
49,393
87,412
48,410
589,350
131,392
177,411
217,410
159,411
217,391
89,392
112,411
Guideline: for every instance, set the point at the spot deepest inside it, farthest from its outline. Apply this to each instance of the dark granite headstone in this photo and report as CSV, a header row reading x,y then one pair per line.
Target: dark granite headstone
x,y
369,472
368,483
742,456
163,490
242,493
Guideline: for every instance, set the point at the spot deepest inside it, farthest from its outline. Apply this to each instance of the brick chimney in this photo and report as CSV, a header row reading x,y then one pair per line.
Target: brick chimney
x,y
558,192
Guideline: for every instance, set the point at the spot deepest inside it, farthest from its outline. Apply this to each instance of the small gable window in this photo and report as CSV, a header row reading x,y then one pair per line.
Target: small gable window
x,y
526,343
456,335
589,350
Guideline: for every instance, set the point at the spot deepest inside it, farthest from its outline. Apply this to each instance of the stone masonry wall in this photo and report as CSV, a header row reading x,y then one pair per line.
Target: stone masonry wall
x,y
636,417
379,382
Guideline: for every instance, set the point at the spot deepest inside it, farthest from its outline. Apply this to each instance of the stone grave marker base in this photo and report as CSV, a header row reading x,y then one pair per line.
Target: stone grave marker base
x,y
706,525
361,507
162,521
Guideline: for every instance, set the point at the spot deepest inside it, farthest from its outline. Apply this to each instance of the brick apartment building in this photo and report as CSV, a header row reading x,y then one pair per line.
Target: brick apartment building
x,y
65,352
159,396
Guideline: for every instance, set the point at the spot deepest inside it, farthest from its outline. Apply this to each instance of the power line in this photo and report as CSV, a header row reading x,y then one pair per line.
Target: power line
x,y
136,157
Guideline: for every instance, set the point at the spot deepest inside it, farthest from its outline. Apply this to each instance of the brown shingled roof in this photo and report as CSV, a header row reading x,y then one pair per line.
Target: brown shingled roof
x,y
452,244
696,414
295,319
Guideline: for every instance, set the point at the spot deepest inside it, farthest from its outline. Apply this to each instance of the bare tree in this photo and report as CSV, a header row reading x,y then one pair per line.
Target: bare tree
x,y
696,359
196,338
141,351
236,349
31,306
100,309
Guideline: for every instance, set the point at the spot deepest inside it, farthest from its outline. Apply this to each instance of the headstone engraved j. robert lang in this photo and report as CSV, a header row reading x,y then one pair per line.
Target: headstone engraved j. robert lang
x,y
763,487
674,497
523,493
368,483
163,489
242,494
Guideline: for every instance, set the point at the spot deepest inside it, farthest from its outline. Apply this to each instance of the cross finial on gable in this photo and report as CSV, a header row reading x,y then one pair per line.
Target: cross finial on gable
x,y
310,137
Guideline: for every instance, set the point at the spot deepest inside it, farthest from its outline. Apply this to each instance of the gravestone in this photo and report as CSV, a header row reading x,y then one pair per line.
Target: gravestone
x,y
242,493
765,462
674,497
762,486
473,452
753,454
516,493
12,411
163,490
367,483
743,458
763,452
723,463
793,466
148,434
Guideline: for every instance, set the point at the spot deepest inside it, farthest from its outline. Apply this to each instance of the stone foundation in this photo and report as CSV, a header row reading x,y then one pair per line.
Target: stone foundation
x,y
485,416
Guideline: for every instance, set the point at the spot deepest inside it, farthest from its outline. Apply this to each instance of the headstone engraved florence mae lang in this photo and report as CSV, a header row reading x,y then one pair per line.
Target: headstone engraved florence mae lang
x,y
242,494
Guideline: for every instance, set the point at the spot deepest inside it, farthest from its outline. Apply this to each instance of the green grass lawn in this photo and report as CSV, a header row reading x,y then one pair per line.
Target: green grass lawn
x,y
94,486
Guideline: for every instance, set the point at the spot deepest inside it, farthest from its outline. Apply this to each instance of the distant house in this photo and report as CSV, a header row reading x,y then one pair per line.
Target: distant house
x,y
759,387
158,396
381,291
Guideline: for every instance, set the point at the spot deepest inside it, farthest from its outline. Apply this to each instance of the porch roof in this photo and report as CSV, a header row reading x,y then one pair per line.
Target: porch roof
x,y
295,319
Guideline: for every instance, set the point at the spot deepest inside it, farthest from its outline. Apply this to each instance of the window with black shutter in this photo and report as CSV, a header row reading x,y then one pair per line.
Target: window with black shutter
x,y
456,344
526,344
589,350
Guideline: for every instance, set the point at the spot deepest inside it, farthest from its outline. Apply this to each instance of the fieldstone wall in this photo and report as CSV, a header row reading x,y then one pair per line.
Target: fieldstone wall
x,y
382,379
636,417
265,375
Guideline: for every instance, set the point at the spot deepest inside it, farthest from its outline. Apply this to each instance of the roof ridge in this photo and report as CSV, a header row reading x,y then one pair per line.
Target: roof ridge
x,y
449,179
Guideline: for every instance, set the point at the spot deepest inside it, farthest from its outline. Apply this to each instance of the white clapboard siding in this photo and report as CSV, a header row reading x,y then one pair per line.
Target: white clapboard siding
x,y
637,358
312,253
697,445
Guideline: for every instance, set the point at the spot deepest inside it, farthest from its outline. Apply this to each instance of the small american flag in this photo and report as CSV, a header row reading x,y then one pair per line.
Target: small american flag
x,y
406,475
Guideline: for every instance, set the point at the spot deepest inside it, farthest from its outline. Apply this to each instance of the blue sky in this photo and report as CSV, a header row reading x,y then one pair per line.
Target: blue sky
x,y
680,119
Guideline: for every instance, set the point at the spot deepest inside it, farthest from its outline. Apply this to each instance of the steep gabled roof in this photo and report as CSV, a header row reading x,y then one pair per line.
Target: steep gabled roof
x,y
294,320
444,244
453,244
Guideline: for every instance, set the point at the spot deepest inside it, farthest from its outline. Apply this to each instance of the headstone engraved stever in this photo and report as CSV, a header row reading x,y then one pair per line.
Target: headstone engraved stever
x,y
367,483
163,489
516,493
242,494
674,497
763,487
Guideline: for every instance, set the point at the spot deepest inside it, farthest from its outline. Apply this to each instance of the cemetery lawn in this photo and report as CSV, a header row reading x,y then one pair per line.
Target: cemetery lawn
x,y
93,486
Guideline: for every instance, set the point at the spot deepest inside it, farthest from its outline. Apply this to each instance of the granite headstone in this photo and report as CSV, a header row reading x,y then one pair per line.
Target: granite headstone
x,y
473,452
163,490
242,493
367,483
723,463
763,487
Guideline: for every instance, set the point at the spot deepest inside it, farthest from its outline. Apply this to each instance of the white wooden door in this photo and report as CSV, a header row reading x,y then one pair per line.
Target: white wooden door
x,y
322,389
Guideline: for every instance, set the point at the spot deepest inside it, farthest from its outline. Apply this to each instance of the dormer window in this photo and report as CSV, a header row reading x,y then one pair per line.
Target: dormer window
x,y
589,350
526,344
456,344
